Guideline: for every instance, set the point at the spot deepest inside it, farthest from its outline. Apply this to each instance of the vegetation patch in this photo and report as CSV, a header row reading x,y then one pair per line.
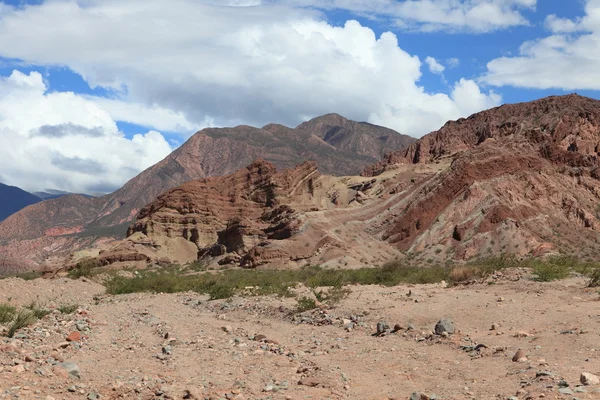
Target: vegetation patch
x,y
227,283
7,313
22,319
68,308
86,268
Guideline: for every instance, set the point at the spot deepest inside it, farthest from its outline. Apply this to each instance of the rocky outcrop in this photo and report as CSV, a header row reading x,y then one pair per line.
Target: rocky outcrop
x,y
234,214
564,128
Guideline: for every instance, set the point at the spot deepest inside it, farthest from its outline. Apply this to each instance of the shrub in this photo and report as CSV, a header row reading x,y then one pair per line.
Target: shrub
x,y
594,278
37,310
7,312
23,318
550,270
306,304
84,268
68,308
466,273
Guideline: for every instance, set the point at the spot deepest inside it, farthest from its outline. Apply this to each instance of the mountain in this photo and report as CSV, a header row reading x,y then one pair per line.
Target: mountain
x,y
59,226
54,194
12,199
521,179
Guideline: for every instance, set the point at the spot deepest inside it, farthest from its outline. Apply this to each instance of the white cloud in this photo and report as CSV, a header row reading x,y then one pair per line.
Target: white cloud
x,y
568,59
213,65
148,116
63,141
434,15
434,66
452,62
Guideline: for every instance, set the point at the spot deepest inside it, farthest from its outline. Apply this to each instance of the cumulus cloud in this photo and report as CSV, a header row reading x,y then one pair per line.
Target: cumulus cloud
x,y
64,141
434,66
568,59
206,64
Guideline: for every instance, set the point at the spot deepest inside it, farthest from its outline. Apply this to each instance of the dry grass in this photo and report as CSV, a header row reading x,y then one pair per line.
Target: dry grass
x,y
466,273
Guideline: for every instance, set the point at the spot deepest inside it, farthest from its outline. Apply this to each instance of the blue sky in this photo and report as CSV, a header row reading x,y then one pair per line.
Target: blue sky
x,y
122,83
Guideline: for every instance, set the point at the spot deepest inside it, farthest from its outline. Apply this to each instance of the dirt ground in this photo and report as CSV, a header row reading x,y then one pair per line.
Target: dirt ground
x,y
161,346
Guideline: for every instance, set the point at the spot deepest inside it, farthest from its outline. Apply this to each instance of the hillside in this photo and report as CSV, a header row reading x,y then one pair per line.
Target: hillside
x,y
59,226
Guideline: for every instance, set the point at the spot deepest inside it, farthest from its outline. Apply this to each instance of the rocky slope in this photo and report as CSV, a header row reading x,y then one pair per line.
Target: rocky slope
x,y
519,179
13,199
59,226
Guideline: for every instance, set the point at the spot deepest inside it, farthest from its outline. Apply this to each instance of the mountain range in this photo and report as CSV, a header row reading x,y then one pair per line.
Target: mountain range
x,y
519,179
59,226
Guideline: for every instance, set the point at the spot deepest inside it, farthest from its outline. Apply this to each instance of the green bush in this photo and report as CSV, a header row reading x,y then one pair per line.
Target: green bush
x,y
550,270
7,312
68,308
37,310
22,319
306,304
594,278
85,268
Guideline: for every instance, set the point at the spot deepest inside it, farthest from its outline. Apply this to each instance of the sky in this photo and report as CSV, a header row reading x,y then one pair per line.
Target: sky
x,y
92,92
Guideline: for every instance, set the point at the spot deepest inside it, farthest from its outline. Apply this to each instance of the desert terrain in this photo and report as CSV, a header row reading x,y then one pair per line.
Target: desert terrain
x,y
185,346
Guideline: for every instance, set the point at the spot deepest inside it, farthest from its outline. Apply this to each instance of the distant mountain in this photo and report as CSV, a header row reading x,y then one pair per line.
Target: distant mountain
x,y
13,199
58,226
49,194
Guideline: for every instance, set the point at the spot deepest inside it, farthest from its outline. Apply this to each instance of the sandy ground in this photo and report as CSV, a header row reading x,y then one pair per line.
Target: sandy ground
x,y
161,346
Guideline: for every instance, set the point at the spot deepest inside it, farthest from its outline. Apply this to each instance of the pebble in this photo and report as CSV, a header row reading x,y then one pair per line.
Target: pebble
x,y
589,379
311,382
444,325
520,356
382,327
74,337
71,368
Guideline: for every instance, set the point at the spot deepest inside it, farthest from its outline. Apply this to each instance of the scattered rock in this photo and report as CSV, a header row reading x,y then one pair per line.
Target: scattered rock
x,y
311,382
419,396
444,325
382,327
74,337
589,379
71,368
520,356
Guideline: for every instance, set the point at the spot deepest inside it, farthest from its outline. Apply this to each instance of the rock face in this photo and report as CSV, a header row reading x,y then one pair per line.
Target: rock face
x,y
59,226
243,214
522,179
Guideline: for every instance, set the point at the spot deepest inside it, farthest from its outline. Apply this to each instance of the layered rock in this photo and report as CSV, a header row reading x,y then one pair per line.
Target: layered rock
x,y
235,213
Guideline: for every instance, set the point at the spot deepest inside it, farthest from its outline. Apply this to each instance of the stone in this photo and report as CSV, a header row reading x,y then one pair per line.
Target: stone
x,y
444,325
520,356
71,368
565,390
382,327
227,329
589,379
311,382
419,396
74,337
